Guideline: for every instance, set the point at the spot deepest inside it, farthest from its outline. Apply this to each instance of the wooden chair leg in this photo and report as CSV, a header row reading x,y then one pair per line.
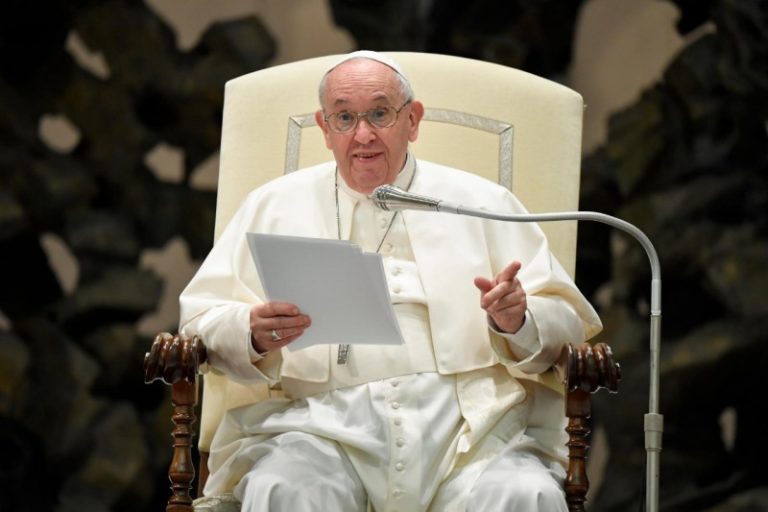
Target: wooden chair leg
x,y
578,410
182,470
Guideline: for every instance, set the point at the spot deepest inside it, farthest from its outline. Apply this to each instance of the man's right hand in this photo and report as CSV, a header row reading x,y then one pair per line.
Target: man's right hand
x,y
282,318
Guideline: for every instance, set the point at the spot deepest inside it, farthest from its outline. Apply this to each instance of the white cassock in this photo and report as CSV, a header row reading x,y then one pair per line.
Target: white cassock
x,y
413,427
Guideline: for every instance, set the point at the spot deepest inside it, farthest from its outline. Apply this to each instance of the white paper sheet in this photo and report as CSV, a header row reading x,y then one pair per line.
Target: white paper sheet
x,y
342,289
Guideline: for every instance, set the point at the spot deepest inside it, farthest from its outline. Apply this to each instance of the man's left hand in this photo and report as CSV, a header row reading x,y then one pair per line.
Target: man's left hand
x,y
503,298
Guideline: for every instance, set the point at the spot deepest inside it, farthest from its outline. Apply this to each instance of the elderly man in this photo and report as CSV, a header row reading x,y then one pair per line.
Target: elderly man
x,y
464,415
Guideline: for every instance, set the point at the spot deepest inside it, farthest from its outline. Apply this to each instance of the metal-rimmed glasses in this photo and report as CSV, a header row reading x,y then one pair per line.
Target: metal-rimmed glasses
x,y
345,121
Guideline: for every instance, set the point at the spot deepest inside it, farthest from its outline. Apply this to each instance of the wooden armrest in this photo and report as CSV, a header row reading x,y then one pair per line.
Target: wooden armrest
x,y
588,369
176,360
173,358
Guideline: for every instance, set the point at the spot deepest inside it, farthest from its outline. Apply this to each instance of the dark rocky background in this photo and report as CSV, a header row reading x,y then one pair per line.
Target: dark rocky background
x,y
686,163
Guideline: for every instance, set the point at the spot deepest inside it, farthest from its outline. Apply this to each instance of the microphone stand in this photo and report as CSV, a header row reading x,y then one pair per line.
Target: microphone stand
x,y
388,197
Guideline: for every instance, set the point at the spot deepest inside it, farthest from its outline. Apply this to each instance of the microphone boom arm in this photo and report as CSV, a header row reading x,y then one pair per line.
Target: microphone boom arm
x,y
388,197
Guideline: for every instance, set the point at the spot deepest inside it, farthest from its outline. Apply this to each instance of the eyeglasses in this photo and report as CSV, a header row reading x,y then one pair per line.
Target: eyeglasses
x,y
345,121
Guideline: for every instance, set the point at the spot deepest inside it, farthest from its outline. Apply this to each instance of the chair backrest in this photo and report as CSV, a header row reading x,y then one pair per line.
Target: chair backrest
x,y
502,123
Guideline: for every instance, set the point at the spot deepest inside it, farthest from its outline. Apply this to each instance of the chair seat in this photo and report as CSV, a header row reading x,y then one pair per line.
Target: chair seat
x,y
222,503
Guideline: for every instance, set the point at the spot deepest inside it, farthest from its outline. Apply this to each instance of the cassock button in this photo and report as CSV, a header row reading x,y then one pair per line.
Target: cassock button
x,y
399,466
395,405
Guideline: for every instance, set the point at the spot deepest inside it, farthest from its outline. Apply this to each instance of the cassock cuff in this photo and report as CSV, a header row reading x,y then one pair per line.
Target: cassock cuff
x,y
525,342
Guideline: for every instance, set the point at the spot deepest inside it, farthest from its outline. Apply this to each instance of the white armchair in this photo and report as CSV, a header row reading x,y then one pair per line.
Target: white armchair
x,y
505,124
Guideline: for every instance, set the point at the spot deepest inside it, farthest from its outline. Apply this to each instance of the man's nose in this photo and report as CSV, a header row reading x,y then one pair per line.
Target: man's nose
x,y
364,133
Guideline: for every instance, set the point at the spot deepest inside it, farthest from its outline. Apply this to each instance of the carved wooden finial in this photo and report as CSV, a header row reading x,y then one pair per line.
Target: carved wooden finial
x,y
174,357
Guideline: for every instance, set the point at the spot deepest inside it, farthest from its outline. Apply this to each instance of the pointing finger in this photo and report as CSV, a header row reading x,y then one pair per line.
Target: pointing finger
x,y
509,273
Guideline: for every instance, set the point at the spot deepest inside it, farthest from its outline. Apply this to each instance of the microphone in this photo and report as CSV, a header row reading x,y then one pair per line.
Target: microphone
x,y
389,197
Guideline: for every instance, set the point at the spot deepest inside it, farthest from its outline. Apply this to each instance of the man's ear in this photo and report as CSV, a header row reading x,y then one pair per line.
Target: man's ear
x,y
414,118
320,120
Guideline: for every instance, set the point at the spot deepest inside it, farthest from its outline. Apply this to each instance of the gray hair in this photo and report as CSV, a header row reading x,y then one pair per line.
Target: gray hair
x,y
403,84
